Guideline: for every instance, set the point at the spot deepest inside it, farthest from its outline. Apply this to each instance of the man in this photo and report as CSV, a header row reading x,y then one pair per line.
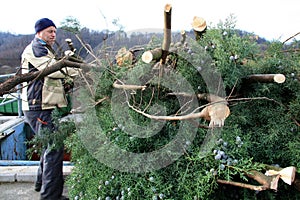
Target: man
x,y
39,98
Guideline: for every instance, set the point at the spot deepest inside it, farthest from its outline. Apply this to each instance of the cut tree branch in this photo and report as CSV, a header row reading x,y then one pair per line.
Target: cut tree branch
x,y
154,54
243,185
9,85
167,33
269,180
216,112
265,78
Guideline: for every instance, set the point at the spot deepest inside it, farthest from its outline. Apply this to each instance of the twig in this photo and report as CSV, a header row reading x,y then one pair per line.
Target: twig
x,y
101,100
152,95
128,87
291,37
87,83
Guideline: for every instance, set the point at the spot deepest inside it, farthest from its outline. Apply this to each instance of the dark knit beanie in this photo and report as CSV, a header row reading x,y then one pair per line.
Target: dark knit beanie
x,y
43,23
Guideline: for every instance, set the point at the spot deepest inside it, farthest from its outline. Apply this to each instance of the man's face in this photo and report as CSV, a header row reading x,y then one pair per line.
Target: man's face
x,y
48,35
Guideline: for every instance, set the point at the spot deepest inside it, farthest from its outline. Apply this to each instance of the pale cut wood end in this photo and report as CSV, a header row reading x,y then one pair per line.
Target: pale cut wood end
x,y
279,78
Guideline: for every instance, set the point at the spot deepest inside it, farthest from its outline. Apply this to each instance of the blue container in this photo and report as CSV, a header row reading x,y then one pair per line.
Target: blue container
x,y
13,140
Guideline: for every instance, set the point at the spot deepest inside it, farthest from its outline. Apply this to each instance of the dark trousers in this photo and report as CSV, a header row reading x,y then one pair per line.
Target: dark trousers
x,y
50,173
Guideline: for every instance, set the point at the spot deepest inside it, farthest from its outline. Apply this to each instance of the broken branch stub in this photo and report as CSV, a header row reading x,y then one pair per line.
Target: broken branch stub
x,y
286,174
216,112
154,54
199,27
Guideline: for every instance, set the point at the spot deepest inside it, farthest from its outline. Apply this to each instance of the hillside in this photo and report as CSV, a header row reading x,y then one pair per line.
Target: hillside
x,y
11,46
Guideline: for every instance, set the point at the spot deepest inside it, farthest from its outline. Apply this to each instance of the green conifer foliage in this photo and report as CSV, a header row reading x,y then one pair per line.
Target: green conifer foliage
x,y
262,128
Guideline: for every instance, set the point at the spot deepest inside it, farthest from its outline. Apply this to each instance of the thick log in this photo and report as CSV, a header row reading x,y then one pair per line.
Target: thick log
x,y
265,78
260,178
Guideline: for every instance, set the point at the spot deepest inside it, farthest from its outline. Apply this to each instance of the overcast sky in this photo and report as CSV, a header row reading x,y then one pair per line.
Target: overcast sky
x,y
273,20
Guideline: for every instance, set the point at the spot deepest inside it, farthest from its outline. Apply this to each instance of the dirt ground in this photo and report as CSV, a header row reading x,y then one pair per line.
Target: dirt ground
x,y
20,191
